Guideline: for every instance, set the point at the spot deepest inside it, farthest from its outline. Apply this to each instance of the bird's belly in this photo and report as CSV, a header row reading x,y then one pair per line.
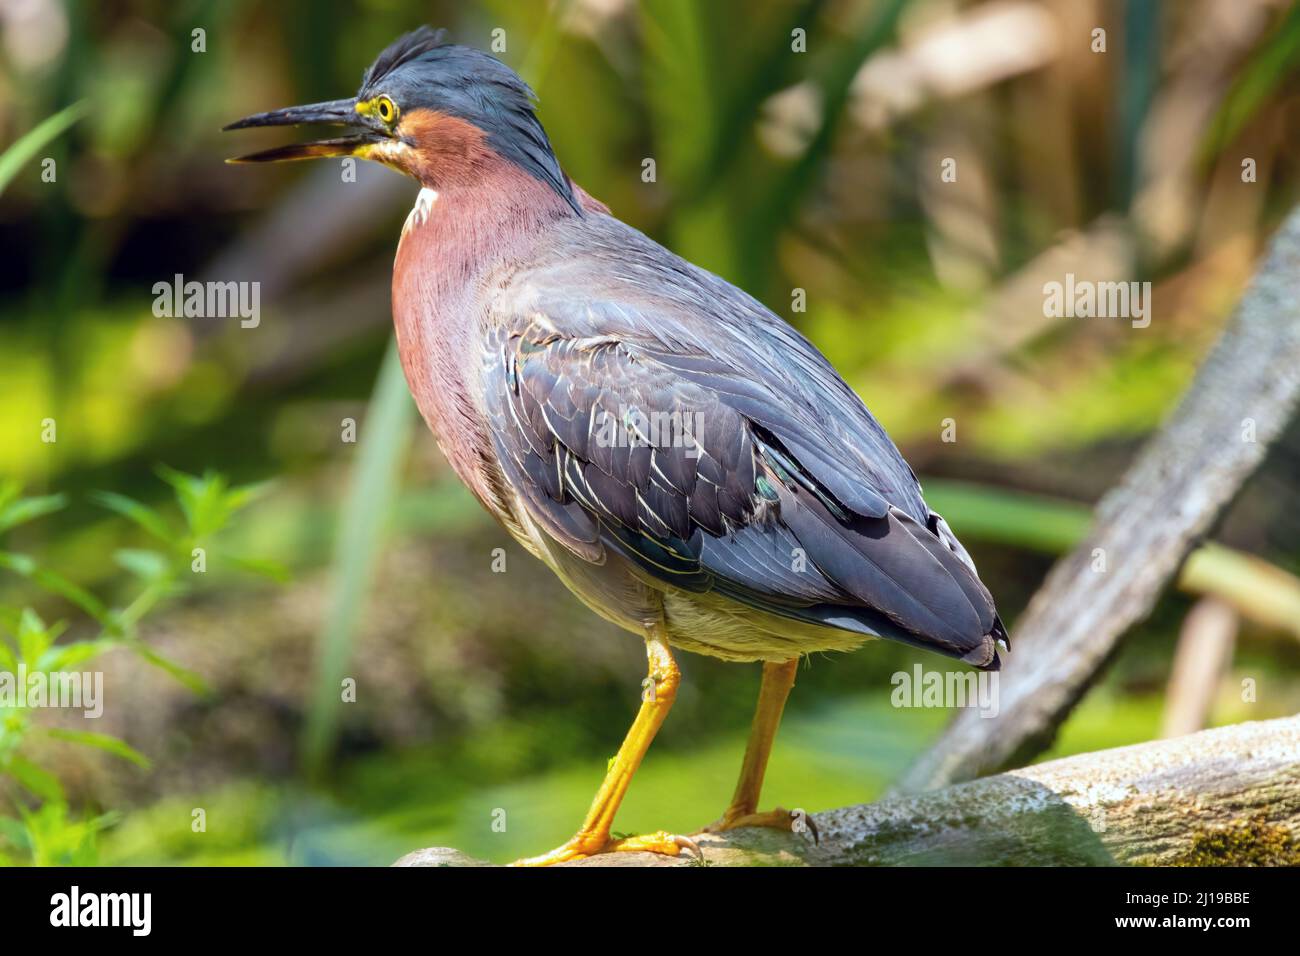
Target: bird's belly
x,y
708,624
717,626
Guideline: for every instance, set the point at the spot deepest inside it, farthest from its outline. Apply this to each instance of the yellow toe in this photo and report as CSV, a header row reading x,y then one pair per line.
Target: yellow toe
x,y
661,841
584,845
796,821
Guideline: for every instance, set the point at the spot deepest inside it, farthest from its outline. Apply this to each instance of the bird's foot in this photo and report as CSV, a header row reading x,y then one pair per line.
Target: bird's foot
x,y
583,845
796,821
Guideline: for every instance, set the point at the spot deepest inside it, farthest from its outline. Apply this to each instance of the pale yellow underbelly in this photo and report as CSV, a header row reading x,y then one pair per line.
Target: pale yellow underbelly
x,y
707,624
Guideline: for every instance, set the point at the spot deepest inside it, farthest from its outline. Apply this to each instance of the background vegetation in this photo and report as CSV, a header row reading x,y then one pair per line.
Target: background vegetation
x,y
478,691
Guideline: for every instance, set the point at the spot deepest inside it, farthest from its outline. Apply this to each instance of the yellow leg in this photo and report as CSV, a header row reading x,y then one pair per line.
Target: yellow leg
x,y
772,694
593,836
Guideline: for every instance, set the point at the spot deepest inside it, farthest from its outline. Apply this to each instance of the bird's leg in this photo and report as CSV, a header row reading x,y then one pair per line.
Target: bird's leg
x,y
778,678
593,836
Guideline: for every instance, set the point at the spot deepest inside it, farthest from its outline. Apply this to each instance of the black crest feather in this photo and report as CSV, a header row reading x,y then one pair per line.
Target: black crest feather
x,y
402,50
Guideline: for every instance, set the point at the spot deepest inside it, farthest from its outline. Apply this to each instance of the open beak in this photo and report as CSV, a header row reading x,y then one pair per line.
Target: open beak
x,y
334,113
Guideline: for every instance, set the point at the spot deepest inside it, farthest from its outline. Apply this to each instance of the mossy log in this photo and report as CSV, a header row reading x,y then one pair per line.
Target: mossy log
x,y
1223,797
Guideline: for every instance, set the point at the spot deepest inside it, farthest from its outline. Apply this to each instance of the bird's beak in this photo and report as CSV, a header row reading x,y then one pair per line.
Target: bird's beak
x,y
334,113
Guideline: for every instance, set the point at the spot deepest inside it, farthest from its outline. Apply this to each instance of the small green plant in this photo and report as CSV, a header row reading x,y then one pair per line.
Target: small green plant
x,y
37,826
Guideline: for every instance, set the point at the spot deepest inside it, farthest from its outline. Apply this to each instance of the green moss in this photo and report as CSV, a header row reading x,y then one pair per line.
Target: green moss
x,y
1253,843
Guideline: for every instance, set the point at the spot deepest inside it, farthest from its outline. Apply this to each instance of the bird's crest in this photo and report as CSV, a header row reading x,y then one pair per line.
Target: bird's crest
x,y
402,50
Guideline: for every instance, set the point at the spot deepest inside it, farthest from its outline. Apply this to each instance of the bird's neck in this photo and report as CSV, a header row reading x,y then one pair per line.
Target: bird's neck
x,y
455,238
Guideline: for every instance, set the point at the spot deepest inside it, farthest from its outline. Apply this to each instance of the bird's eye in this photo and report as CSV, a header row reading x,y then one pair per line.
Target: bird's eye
x,y
386,109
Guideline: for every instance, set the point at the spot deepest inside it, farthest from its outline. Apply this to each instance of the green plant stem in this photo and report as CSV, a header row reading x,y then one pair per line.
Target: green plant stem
x,y
25,149
384,439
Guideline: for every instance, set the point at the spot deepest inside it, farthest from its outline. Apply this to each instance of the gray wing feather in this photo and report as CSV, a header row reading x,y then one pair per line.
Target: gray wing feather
x,y
782,458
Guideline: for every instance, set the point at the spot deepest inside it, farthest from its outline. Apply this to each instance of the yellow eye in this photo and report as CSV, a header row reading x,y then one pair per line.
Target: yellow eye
x,y
386,109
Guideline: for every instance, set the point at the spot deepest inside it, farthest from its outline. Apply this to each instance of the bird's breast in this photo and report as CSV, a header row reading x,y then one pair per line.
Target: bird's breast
x,y
435,317
458,241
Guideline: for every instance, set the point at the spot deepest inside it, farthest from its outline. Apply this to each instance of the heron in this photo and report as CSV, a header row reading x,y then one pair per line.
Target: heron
x,y
687,463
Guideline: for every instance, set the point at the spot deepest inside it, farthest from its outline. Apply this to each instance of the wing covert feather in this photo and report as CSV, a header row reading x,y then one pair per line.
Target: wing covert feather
x,y
660,413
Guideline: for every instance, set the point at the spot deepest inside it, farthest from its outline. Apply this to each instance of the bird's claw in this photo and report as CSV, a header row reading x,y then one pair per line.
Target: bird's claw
x,y
581,847
796,821
661,841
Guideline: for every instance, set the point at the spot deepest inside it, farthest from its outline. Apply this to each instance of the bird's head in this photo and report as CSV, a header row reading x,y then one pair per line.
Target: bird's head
x,y
434,110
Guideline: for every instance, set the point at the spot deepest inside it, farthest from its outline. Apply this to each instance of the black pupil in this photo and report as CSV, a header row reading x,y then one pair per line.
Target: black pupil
x,y
384,109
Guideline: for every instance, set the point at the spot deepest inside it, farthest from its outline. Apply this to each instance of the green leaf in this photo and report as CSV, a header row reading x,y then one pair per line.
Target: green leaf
x,y
1270,66
36,779
141,514
375,481
29,146
241,496
103,742
183,674
147,565
207,501
57,584
57,838
67,656
22,510
34,639
202,499
15,832
263,566
18,563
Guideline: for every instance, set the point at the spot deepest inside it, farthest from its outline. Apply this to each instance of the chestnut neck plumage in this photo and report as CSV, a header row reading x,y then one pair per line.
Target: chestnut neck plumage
x,y
476,214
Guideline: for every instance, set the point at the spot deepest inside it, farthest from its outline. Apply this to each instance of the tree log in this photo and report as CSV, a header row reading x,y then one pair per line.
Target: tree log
x,y
1241,399
1223,797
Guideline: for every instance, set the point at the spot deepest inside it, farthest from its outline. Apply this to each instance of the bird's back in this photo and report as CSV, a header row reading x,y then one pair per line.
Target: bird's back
x,y
657,418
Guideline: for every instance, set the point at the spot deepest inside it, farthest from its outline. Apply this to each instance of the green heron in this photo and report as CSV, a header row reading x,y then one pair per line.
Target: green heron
x,y
688,464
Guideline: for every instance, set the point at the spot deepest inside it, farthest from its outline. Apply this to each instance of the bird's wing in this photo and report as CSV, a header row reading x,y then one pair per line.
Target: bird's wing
x,y
659,412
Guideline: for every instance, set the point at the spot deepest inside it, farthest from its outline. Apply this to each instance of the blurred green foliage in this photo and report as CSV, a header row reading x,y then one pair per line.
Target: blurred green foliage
x,y
44,830
783,171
